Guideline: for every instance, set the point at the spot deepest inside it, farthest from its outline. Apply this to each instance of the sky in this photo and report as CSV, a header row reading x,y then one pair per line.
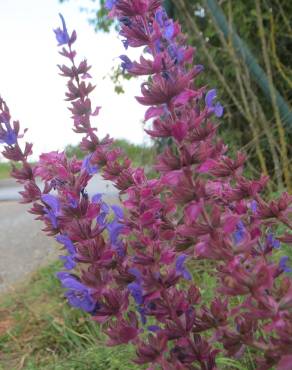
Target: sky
x,y
32,88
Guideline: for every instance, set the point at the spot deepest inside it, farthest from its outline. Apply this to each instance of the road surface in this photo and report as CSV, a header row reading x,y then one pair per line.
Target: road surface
x,y
23,246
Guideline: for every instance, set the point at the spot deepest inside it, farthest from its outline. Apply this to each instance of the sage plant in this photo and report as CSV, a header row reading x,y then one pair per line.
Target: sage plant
x,y
131,266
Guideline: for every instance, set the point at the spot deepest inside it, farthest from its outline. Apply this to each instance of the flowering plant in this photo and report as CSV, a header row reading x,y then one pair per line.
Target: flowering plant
x,y
131,267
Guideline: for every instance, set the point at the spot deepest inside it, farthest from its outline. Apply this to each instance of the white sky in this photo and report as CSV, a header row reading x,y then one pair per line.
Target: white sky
x,y
29,80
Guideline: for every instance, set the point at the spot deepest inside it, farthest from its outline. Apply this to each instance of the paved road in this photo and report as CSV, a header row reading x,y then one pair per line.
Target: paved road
x,y
23,246
9,189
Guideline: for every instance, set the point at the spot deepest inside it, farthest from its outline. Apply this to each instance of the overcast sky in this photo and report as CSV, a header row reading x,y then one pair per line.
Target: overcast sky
x,y
29,80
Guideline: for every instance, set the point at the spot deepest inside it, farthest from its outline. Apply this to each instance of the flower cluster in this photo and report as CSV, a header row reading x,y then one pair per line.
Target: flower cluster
x,y
131,267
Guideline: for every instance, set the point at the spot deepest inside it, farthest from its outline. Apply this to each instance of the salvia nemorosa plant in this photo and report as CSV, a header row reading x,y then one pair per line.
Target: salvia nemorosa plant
x,y
131,266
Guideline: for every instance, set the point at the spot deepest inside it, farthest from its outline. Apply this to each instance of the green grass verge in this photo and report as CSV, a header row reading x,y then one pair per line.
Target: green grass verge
x,y
5,169
38,330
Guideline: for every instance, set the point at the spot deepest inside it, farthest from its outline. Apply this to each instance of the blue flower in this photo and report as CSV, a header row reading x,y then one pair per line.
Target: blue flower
x,y
101,219
54,208
78,295
114,228
137,273
86,165
7,136
165,23
62,275
158,46
160,16
62,35
209,100
69,262
136,292
176,53
180,267
153,328
125,43
67,242
72,201
51,217
104,207
275,243
142,313
126,64
283,264
118,211
169,30
120,249
97,197
52,201
238,235
254,206
109,4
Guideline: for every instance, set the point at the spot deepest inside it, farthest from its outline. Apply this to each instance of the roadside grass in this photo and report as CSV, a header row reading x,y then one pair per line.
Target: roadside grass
x,y
5,169
38,330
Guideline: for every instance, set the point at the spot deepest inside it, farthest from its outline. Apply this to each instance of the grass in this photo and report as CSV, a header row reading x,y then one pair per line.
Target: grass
x,y
5,169
38,330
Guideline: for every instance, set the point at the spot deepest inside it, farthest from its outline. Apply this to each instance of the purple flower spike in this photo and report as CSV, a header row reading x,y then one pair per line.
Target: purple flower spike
x,y
283,264
180,267
209,100
62,36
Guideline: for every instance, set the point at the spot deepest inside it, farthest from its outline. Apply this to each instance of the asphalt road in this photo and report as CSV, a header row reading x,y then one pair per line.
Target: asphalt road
x,y
23,246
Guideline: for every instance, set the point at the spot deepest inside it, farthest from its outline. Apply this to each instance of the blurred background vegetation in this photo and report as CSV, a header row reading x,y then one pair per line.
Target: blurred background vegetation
x,y
246,48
